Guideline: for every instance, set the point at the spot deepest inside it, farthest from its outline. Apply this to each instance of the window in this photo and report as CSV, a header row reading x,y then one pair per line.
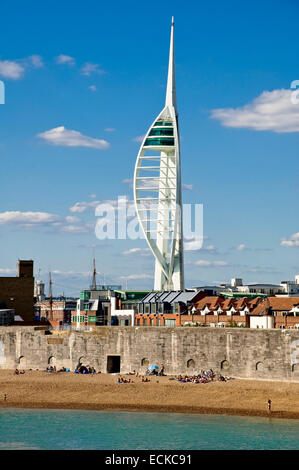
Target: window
x,y
138,322
147,308
162,141
169,322
140,308
176,307
163,123
153,308
167,132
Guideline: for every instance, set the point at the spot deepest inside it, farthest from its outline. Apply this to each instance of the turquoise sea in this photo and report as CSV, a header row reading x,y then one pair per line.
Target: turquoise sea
x,y
68,429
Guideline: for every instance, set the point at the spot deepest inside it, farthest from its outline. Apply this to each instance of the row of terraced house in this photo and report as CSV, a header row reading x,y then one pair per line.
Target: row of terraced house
x,y
187,308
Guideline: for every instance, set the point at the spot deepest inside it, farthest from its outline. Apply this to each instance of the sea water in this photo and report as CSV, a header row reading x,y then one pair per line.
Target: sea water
x,y
69,429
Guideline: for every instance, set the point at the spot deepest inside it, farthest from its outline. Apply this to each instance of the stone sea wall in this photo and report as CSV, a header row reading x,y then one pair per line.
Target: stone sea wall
x,y
237,352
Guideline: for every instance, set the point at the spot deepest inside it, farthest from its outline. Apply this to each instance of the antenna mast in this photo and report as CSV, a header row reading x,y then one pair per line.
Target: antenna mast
x,y
94,274
50,296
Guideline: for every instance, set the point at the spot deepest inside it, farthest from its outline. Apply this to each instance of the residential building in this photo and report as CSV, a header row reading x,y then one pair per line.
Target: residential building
x,y
220,311
16,293
284,313
291,287
166,308
124,306
237,289
58,314
94,307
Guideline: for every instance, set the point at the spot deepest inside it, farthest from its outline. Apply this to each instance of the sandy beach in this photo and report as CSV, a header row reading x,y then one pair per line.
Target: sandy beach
x,y
37,389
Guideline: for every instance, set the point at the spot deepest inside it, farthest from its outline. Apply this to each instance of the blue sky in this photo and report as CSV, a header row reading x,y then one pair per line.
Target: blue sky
x,y
97,72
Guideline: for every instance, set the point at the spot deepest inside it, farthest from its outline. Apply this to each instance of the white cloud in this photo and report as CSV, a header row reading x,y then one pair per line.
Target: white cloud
x,y
65,59
109,129
92,88
32,219
270,111
139,138
128,181
75,229
240,247
138,251
72,219
194,244
11,70
69,138
28,218
7,271
137,276
206,263
82,206
92,196
71,273
187,187
36,61
292,241
90,68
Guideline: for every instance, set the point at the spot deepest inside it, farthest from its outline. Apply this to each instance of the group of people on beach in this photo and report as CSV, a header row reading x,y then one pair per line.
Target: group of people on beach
x,y
53,369
204,376
123,380
85,370
19,372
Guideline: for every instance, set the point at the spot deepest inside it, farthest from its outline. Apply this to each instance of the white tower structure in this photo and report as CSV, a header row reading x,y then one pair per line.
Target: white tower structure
x,y
158,192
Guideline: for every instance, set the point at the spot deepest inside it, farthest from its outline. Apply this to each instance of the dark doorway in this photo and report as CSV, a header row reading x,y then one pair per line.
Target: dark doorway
x,y
113,364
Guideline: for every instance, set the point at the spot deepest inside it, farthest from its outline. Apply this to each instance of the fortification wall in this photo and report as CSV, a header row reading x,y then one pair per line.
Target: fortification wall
x,y
265,354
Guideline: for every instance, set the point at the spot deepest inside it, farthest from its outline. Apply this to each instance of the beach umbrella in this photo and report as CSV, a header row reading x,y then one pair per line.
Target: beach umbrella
x,y
153,367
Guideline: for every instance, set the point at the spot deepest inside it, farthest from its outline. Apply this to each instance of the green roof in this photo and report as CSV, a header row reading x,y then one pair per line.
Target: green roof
x,y
132,295
242,294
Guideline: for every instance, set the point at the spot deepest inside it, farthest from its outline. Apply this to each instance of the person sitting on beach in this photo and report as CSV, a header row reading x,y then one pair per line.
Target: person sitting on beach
x,y
16,372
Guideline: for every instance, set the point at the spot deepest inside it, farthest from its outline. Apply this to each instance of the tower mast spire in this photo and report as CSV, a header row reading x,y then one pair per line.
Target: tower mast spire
x,y
171,86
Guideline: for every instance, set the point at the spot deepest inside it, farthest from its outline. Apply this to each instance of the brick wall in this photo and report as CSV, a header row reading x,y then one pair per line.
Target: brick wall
x,y
20,289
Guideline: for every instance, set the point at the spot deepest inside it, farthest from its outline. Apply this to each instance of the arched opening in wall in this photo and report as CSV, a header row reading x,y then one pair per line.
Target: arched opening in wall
x,y
190,364
52,361
22,362
295,369
81,361
224,365
145,362
259,366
